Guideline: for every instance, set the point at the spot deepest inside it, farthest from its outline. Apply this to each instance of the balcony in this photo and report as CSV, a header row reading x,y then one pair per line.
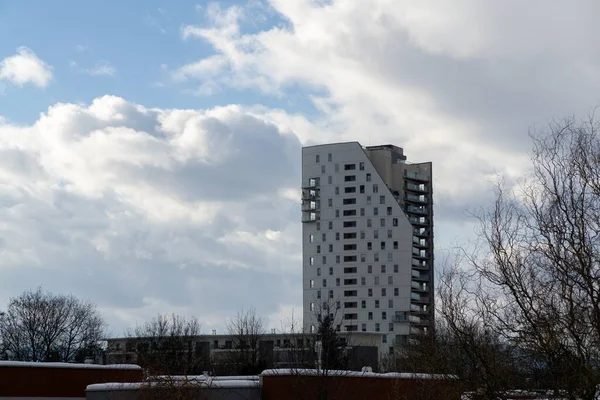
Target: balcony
x,y
419,286
310,194
311,205
418,220
417,210
415,199
420,232
415,176
311,216
416,188
419,242
313,183
416,297
419,276
415,308
419,253
420,264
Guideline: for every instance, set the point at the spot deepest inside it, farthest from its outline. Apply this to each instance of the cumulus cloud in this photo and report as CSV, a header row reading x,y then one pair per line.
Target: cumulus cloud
x,y
101,68
25,67
163,209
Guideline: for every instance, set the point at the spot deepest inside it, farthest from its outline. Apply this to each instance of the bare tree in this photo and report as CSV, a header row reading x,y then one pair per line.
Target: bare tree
x,y
41,326
523,304
246,330
166,346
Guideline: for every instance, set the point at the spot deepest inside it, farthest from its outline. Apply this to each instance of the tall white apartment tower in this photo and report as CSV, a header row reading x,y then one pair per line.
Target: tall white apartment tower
x,y
367,240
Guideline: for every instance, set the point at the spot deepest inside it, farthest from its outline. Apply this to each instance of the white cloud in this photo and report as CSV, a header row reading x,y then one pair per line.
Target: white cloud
x,y
25,67
101,68
150,204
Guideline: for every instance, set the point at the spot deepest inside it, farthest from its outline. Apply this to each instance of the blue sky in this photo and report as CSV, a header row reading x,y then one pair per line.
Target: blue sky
x,y
150,150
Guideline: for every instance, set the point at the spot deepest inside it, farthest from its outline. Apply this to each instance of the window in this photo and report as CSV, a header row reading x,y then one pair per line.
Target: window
x,y
362,212
370,315
383,292
349,178
382,222
363,280
376,281
337,259
377,327
381,199
383,315
396,268
311,261
312,283
329,178
349,224
349,201
383,338
337,167
318,158
337,190
389,211
324,282
337,236
390,257
382,245
363,304
391,327
312,306
349,213
324,260
361,189
364,327
395,245
369,223
396,292
349,167
323,237
318,226
330,202
331,248
376,257
329,157
350,247
369,246
350,235
375,234
368,177
331,270
331,294
361,166
338,305
350,281
383,268
363,257
350,293
390,303
350,304
311,238
395,222
375,186
350,270
350,189
318,294
375,211
368,199
390,280
349,258
389,233
318,249
370,291
318,271
330,224
362,234
337,213
322,169
337,281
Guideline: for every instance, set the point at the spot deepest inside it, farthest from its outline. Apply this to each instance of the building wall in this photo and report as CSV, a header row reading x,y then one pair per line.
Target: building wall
x,y
57,380
381,278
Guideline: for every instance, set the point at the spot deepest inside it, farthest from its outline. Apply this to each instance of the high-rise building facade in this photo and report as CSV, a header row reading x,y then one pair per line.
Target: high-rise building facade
x,y
367,240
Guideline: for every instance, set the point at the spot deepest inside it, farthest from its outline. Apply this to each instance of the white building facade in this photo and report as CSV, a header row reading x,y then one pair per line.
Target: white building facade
x,y
367,240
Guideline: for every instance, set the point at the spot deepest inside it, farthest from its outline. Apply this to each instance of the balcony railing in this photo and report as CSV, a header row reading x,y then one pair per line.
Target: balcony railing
x,y
311,205
418,286
420,232
419,253
418,220
417,210
416,199
416,188
416,176
310,216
